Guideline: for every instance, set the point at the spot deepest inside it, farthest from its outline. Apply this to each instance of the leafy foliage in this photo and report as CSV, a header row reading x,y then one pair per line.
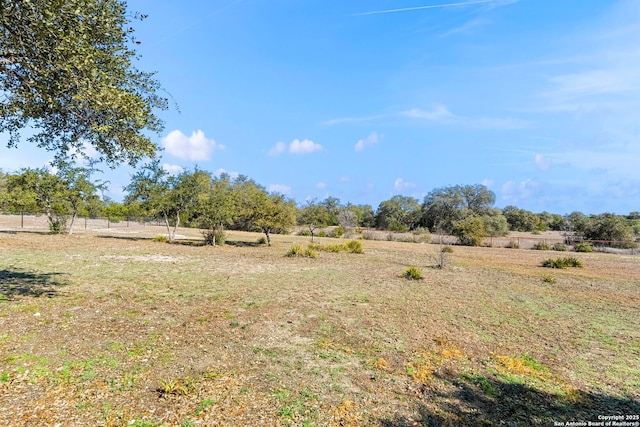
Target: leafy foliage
x,y
67,71
412,273
561,262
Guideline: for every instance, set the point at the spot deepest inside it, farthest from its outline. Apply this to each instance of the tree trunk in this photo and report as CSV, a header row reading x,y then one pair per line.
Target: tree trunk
x,y
73,219
267,233
175,227
166,222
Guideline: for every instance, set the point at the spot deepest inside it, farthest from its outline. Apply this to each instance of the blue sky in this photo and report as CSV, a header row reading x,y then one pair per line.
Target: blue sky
x,y
362,100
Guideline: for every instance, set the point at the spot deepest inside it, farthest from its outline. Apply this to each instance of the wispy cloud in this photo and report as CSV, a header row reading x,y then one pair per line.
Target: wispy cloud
x,y
343,120
435,6
440,114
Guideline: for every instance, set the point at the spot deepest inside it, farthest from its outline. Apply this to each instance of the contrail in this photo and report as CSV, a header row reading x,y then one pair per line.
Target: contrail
x,y
406,9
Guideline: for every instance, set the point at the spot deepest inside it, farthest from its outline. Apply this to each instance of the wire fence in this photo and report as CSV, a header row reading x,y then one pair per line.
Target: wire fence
x,y
36,221
13,221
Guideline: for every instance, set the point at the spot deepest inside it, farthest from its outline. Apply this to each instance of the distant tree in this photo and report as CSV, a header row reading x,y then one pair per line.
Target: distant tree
x,y
495,224
364,214
347,219
576,226
615,230
470,231
314,216
333,208
445,206
217,209
151,188
523,220
62,196
400,213
269,213
67,74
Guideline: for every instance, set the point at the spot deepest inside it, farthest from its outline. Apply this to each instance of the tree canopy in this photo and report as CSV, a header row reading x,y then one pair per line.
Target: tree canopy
x,y
67,73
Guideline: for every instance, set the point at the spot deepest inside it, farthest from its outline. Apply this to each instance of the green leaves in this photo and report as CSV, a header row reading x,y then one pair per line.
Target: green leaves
x,y
66,71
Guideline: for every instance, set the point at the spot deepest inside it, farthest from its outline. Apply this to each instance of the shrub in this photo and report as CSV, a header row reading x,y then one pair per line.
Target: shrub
x,y
337,232
355,247
541,246
583,247
548,278
562,262
322,234
333,248
447,250
262,241
412,273
304,232
512,245
214,237
311,253
561,247
295,250
161,239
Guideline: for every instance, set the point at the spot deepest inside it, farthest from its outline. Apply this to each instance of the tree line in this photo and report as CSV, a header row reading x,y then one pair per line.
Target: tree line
x,y
196,198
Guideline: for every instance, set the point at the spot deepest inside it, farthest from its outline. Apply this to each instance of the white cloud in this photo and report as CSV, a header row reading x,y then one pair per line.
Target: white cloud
x,y
279,188
514,193
370,140
321,186
296,147
401,185
194,148
304,146
173,169
543,162
278,149
344,179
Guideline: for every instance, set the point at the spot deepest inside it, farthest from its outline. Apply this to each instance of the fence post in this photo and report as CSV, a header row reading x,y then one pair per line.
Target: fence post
x,y
21,218
108,223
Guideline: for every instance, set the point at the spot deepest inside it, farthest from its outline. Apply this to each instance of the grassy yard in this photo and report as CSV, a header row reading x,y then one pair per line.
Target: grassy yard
x,y
113,328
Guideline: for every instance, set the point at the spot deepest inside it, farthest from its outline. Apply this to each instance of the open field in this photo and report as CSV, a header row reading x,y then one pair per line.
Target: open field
x,y
108,327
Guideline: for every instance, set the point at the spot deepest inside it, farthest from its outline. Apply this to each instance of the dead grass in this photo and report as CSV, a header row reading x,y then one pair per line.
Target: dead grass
x,y
135,332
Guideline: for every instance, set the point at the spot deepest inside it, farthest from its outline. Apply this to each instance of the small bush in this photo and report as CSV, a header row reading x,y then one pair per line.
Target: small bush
x,y
355,247
562,262
262,241
541,246
304,232
311,253
447,250
560,247
412,273
322,234
161,239
548,278
296,250
337,232
583,247
333,248
512,245
214,237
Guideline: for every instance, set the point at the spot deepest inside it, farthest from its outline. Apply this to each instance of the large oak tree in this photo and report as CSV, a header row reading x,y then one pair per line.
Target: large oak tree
x,y
67,74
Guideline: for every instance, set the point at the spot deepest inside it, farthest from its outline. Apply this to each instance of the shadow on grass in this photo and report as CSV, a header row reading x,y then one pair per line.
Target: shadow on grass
x,y
14,283
492,401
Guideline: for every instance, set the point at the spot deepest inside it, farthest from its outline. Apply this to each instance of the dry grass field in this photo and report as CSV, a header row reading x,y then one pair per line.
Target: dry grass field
x,y
111,328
